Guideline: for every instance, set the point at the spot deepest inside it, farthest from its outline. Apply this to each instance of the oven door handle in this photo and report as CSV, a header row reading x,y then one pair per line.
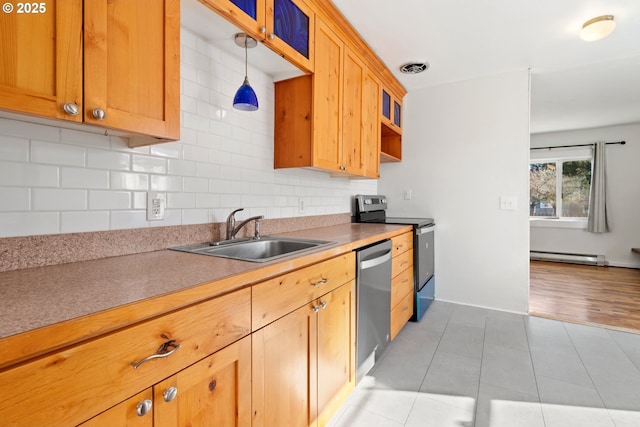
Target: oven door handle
x,y
370,263
426,229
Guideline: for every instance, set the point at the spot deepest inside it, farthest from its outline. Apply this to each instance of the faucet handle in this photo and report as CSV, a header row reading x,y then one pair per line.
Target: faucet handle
x,y
256,234
235,212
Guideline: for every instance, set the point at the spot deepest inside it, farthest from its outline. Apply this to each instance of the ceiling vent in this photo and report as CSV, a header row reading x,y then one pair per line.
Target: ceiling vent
x,y
414,67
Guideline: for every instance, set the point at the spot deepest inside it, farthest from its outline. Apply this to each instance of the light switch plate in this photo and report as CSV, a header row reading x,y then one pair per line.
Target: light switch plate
x,y
508,203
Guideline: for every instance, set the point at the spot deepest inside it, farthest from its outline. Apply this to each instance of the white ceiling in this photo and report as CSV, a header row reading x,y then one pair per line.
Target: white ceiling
x,y
574,84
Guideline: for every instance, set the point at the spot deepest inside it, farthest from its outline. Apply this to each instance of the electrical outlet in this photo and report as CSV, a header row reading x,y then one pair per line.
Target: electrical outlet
x,y
407,194
156,203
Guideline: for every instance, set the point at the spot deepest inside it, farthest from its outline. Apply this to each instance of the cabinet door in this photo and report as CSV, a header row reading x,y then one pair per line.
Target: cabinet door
x,y
248,15
214,392
284,371
41,58
336,349
125,414
132,65
327,100
371,124
290,30
352,114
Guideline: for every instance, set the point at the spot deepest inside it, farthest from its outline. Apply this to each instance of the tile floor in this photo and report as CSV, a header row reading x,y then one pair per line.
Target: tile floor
x,y
465,366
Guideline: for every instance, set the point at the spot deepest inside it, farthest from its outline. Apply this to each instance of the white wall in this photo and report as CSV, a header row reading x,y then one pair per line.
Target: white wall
x,y
55,180
466,144
623,198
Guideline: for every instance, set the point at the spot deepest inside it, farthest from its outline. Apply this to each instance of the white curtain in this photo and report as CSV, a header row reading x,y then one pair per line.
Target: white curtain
x,y
597,222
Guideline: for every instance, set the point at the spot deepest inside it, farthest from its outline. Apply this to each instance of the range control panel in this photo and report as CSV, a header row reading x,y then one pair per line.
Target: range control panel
x,y
371,203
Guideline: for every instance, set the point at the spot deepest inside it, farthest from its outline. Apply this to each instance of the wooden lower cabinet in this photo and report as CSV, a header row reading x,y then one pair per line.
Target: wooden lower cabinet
x,y
304,362
213,392
401,282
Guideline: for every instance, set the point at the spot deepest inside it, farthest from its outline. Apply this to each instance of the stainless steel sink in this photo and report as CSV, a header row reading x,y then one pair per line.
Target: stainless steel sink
x,y
255,250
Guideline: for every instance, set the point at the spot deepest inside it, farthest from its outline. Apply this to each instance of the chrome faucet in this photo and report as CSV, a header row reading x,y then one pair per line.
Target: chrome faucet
x,y
232,230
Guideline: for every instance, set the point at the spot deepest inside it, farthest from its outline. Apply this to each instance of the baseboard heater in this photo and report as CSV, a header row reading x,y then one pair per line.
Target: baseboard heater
x,y
566,257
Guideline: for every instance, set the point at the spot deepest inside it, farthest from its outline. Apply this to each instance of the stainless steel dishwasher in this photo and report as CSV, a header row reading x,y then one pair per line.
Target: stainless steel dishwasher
x,y
373,275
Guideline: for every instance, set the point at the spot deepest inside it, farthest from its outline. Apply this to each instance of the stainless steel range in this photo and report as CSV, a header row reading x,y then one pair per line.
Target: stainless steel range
x,y
373,209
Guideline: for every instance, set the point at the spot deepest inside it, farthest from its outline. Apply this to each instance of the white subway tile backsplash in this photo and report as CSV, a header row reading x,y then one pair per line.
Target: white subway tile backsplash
x,y
129,181
95,139
207,200
14,199
14,148
57,180
83,178
148,164
53,199
29,223
196,185
181,200
28,175
166,183
112,160
181,167
109,200
57,154
78,222
168,149
23,129
128,219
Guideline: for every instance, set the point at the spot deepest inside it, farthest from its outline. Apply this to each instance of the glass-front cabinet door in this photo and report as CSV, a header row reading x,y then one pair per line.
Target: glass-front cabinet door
x,y
391,111
286,26
290,29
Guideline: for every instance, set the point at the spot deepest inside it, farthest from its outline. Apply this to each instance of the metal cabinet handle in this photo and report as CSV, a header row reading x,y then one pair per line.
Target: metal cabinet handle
x,y
316,308
323,304
263,29
169,394
272,36
98,113
143,407
163,351
71,108
320,282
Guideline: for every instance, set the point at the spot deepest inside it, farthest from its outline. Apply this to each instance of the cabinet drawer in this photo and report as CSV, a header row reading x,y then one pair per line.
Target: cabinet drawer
x,y
401,314
401,262
276,297
401,285
402,243
74,384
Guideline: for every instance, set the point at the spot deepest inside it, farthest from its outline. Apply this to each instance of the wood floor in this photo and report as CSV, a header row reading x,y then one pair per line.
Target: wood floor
x,y
607,296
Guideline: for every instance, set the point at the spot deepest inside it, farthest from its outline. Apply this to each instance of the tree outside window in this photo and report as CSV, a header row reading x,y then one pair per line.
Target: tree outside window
x,y
571,179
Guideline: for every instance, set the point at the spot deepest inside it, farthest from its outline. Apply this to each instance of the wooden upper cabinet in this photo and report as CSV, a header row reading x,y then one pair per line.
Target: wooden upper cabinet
x,y
132,66
327,100
391,110
329,120
286,26
390,127
41,59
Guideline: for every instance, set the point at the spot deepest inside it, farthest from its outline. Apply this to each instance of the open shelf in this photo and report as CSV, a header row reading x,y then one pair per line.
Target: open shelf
x,y
391,144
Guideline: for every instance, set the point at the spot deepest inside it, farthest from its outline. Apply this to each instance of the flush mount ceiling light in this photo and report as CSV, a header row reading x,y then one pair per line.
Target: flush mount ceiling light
x,y
414,67
245,99
597,28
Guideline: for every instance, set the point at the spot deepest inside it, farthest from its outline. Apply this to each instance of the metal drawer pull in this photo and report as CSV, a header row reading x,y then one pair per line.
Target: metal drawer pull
x,y
163,351
316,308
323,304
143,407
320,282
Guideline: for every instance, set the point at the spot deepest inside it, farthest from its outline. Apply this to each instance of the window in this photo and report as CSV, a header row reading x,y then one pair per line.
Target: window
x,y
559,187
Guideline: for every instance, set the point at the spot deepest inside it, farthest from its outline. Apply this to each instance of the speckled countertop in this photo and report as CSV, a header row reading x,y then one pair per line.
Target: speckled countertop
x,y
141,285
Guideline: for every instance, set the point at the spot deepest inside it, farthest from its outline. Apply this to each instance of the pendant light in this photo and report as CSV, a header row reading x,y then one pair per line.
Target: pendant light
x,y
245,99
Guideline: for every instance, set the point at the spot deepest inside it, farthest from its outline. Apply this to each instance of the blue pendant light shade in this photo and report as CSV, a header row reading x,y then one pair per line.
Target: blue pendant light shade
x,y
245,99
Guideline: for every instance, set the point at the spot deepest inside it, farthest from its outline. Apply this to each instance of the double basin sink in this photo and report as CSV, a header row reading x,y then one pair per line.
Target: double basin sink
x,y
262,249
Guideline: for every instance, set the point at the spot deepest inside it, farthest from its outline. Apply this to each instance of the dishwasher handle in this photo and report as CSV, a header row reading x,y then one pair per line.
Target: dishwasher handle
x,y
370,263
